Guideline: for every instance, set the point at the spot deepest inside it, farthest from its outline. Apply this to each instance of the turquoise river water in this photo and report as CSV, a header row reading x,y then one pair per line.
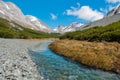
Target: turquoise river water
x,y
55,67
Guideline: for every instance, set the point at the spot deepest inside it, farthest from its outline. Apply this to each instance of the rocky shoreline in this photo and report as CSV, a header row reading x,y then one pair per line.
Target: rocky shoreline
x,y
15,62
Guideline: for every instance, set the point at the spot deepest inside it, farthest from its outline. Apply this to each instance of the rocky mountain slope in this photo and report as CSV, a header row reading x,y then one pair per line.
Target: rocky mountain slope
x,y
114,11
72,27
13,13
12,30
38,23
112,16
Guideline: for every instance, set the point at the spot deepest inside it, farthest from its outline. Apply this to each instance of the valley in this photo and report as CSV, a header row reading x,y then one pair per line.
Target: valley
x,y
80,43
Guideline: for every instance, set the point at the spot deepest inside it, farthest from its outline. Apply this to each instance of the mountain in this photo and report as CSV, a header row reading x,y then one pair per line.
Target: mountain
x,y
112,16
10,29
72,27
109,33
114,11
38,23
11,12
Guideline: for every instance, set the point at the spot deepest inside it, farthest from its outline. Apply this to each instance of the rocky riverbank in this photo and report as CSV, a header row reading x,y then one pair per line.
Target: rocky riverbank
x,y
15,62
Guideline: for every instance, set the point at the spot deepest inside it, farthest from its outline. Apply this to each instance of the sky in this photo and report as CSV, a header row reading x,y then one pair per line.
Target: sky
x,y
64,12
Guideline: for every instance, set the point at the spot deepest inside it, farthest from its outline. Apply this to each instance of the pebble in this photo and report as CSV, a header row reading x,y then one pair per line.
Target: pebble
x,y
15,62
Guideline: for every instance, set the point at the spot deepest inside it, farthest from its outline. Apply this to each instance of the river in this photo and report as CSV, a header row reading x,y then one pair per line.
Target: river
x,y
55,67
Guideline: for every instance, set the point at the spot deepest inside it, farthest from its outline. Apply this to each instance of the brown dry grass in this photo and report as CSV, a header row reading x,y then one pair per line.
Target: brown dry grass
x,y
101,55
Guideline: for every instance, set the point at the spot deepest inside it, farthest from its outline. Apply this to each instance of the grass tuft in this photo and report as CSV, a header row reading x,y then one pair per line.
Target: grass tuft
x,y
100,55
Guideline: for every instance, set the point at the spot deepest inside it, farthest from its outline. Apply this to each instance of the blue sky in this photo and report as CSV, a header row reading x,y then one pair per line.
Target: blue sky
x,y
64,12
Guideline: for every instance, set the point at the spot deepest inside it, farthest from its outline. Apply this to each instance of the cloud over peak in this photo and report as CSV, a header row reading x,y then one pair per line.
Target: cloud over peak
x,y
85,13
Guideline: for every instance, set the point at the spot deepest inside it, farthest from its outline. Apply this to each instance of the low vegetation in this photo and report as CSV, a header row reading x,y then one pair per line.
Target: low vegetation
x,y
97,47
100,55
108,33
12,30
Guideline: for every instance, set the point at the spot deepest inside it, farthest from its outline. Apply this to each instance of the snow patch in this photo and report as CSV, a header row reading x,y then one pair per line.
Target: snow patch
x,y
2,12
7,6
33,18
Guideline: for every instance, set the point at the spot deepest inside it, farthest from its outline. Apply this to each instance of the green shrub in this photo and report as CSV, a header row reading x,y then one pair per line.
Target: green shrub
x,y
110,32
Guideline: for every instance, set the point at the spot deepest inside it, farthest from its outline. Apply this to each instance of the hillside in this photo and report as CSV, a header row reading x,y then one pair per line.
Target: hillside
x,y
12,30
109,33
11,12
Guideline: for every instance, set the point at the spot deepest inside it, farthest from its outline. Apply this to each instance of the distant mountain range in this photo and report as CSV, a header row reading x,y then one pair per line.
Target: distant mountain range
x,y
12,13
72,27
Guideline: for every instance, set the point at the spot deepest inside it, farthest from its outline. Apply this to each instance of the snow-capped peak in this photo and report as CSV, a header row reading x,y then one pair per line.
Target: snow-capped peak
x,y
72,27
11,12
38,23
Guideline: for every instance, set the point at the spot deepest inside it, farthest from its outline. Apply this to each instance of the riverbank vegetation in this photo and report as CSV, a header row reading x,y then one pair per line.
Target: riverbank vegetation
x,y
108,33
12,30
97,47
100,55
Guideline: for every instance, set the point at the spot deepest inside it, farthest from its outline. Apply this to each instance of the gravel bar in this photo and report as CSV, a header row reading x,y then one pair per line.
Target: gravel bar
x,y
15,62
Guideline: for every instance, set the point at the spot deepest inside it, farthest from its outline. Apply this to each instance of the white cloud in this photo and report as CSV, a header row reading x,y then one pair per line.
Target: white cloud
x,y
113,1
85,12
53,16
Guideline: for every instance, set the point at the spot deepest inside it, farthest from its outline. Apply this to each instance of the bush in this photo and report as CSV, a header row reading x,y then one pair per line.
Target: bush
x,y
110,32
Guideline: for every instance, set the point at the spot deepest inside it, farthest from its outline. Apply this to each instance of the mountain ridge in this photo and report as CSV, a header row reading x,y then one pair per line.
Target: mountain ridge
x,y
111,17
12,30
72,27
11,12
